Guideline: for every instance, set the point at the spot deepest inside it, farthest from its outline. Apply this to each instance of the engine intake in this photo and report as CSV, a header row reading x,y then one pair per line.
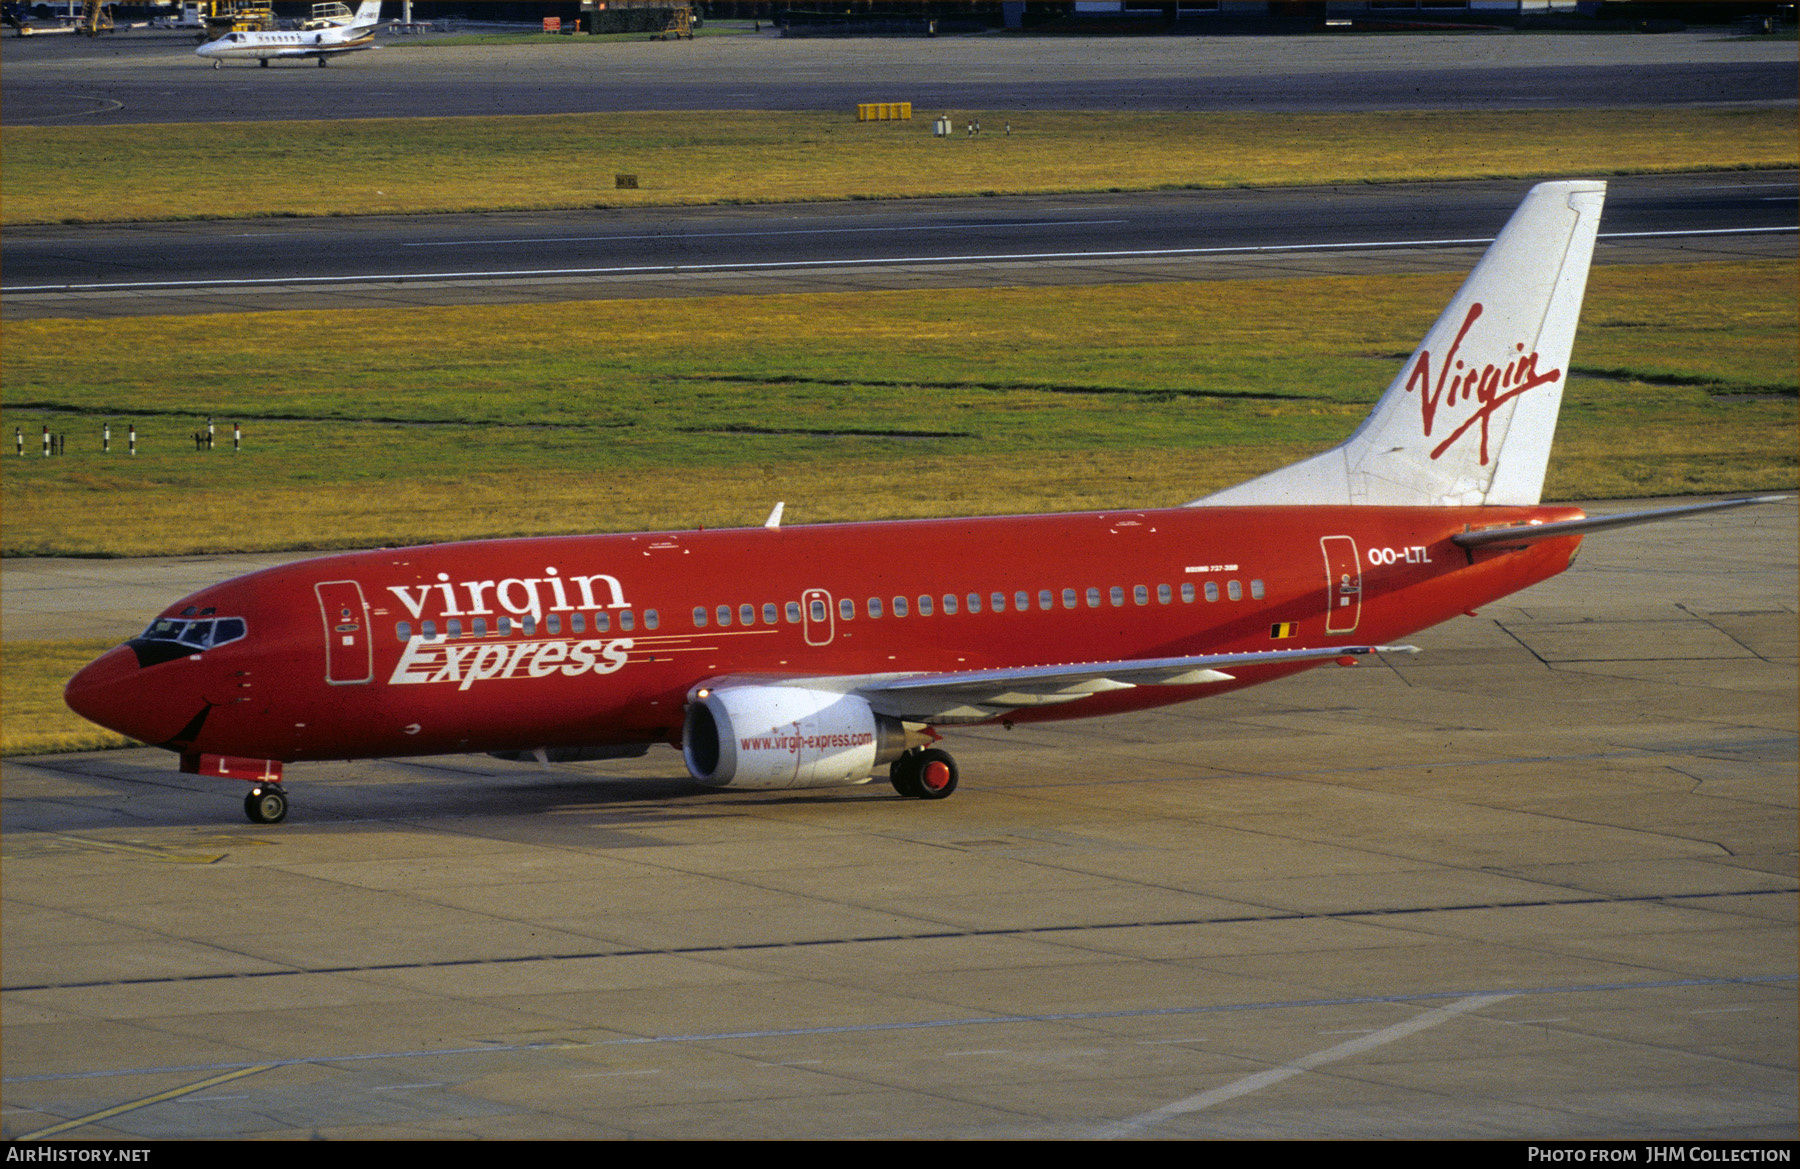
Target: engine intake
x,y
784,737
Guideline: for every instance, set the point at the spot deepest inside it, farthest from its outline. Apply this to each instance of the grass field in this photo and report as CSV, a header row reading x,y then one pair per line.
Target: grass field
x,y
33,719
445,423
378,166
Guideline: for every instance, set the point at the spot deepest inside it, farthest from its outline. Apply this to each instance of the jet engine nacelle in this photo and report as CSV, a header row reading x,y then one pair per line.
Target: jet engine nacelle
x,y
781,737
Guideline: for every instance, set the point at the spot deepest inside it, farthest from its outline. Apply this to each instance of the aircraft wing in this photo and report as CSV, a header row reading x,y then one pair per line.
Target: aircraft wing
x,y
966,696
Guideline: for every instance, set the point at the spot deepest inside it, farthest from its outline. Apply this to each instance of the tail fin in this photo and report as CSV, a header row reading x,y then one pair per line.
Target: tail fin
x,y
1470,418
368,12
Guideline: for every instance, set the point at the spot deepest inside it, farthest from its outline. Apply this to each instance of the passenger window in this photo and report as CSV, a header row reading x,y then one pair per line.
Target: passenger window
x,y
577,623
793,612
453,628
699,617
724,616
769,613
924,606
974,600
847,609
1116,595
428,629
1093,598
1187,592
553,623
1256,590
528,626
602,622
503,627
1044,600
1212,590
1068,598
626,621
999,600
949,604
746,614
900,608
1140,594
1234,590
402,632
651,619
1163,595
874,607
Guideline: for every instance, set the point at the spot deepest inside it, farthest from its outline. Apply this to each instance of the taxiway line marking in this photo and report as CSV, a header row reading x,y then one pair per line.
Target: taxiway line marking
x,y
144,1102
1275,1075
1393,912
771,265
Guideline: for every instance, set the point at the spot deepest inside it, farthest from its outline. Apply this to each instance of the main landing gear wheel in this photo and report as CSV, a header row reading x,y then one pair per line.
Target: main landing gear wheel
x,y
266,805
905,776
924,775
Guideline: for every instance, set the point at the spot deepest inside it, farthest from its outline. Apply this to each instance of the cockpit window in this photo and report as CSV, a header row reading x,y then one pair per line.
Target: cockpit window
x,y
195,634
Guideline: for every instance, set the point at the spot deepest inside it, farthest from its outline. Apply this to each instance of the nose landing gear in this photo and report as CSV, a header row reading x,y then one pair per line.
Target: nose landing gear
x,y
266,804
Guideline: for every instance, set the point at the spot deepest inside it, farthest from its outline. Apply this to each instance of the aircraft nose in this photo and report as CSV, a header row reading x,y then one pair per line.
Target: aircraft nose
x,y
113,690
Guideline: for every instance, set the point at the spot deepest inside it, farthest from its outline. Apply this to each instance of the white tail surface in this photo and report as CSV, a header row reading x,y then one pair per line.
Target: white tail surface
x,y
1470,418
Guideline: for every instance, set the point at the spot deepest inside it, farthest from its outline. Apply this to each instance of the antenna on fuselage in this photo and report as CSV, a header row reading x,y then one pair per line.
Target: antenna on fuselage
x,y
774,520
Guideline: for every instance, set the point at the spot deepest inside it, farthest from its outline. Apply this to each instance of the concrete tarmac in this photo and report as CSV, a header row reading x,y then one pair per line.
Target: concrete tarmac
x,y
1537,881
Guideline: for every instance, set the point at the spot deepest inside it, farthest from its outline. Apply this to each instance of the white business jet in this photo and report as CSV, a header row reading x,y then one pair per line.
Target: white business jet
x,y
317,43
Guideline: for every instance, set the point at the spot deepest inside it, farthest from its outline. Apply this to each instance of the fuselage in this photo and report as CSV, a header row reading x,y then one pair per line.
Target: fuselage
x,y
276,45
594,640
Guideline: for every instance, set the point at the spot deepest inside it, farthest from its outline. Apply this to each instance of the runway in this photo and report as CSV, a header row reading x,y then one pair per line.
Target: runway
x,y
1534,882
135,78
377,261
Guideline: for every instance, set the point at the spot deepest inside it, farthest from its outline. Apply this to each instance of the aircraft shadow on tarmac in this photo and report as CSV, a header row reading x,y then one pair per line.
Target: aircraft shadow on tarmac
x,y
136,789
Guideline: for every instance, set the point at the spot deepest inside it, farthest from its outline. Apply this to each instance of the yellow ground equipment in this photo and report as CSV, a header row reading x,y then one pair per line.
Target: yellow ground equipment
x,y
95,19
228,16
884,111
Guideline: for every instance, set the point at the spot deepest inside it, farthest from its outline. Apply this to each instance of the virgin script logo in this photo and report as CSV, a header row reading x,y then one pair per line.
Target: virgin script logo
x,y
1489,385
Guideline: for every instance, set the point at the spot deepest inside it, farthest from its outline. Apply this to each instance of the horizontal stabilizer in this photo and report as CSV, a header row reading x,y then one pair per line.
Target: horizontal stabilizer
x,y
1519,534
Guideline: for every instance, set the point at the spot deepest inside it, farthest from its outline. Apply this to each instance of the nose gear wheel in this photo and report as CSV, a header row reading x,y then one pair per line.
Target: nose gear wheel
x,y
266,804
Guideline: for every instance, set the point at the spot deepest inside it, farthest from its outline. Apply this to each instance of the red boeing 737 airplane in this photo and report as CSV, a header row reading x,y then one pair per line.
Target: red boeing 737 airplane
x,y
804,657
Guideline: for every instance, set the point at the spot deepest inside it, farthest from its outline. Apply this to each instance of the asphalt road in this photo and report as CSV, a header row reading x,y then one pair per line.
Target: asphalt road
x,y
612,243
154,77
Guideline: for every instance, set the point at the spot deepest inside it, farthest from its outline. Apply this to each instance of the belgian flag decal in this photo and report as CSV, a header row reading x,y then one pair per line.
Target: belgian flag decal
x,y
1283,629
